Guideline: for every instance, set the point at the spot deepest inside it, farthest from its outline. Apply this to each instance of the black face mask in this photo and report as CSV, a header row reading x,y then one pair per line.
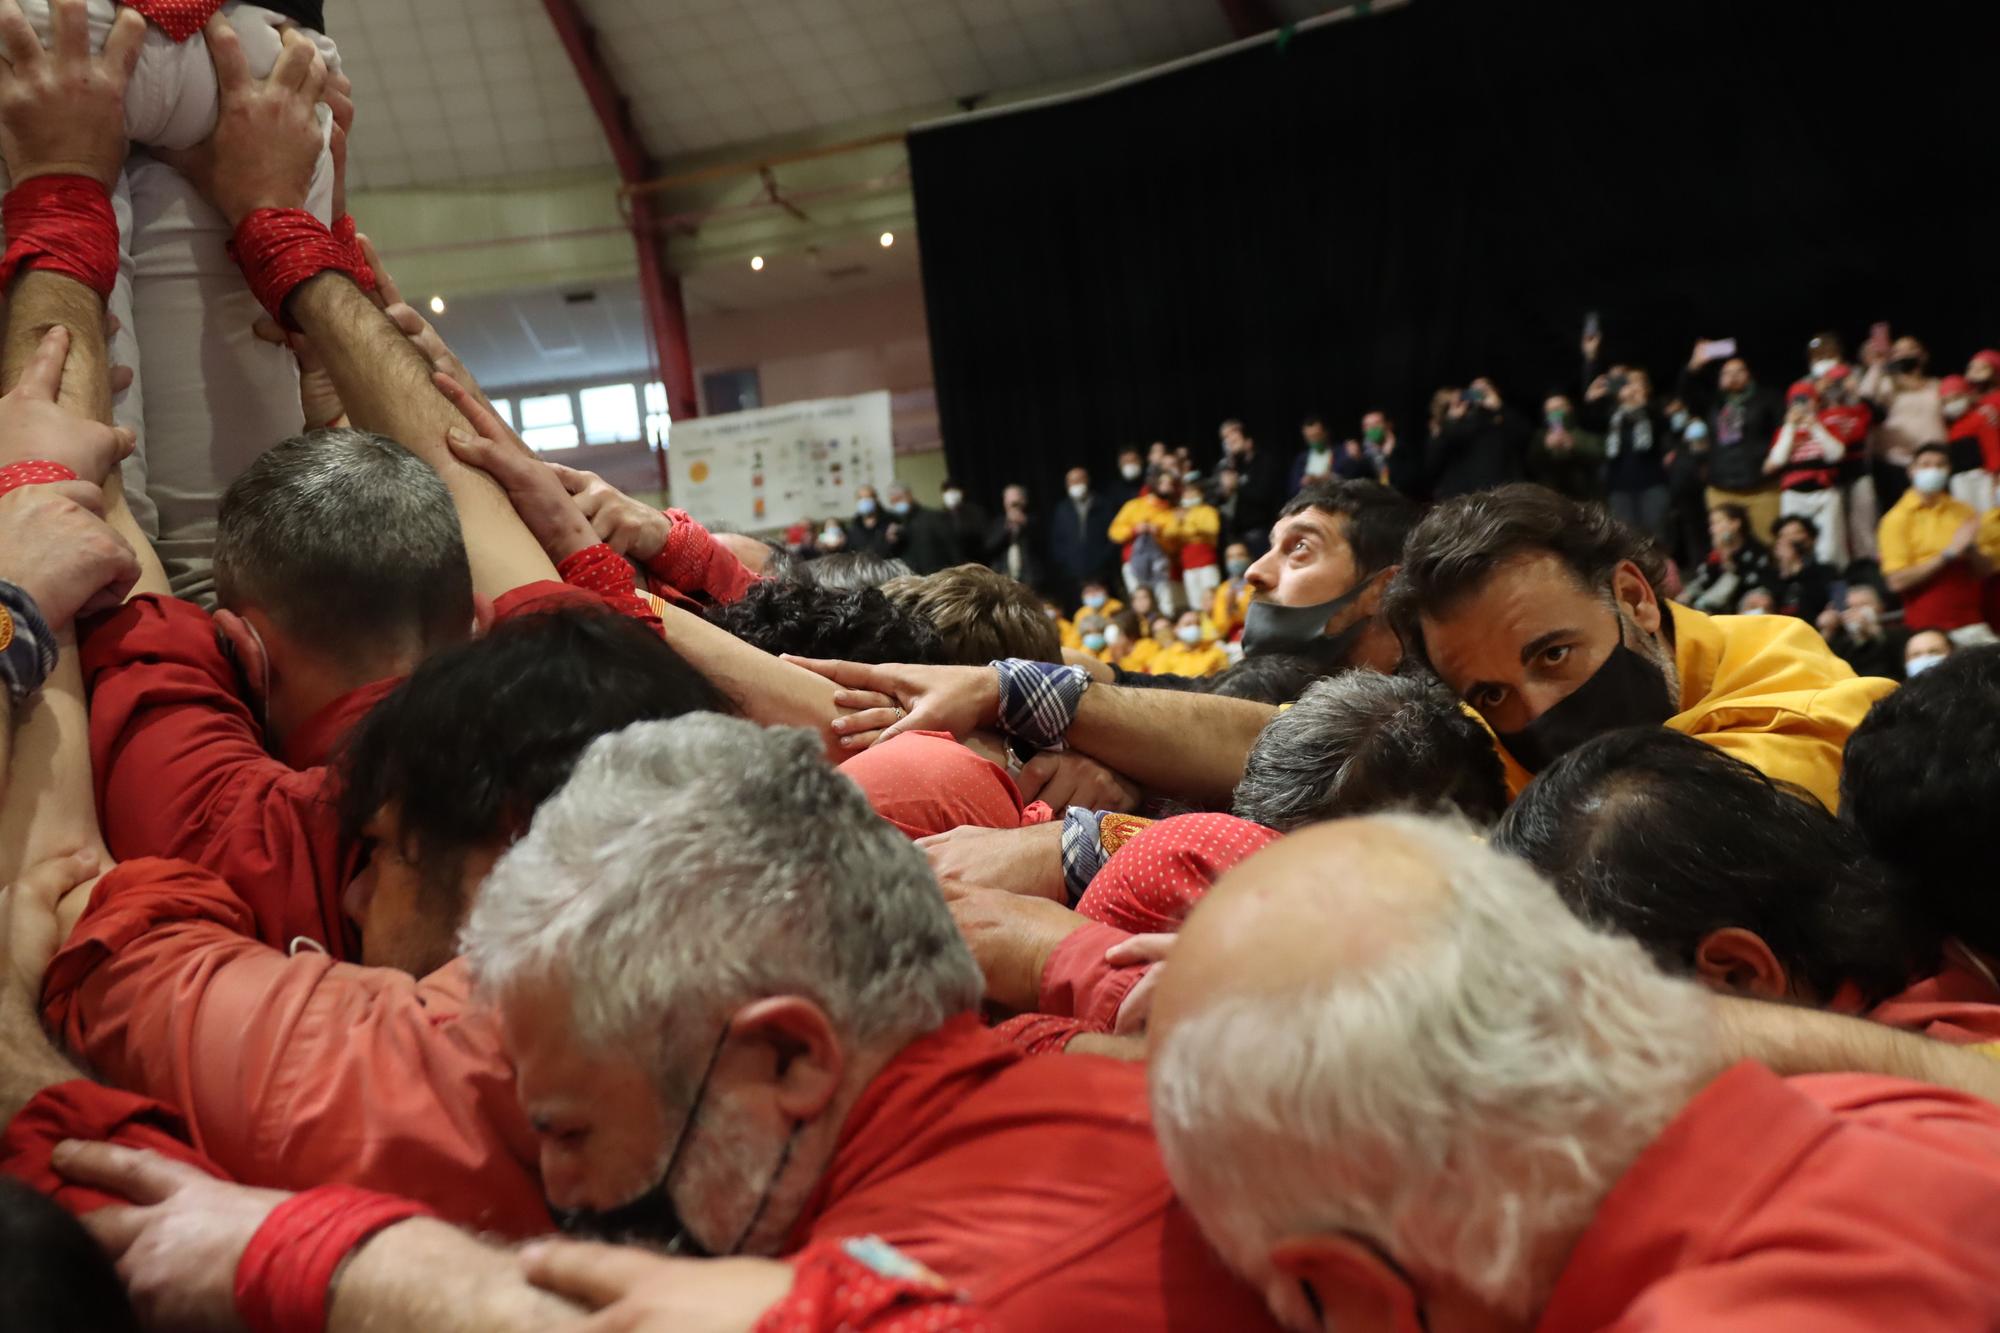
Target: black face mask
x,y
1270,628
1628,690
1905,365
652,1219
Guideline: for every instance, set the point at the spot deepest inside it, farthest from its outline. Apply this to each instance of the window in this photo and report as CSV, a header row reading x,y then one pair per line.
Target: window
x,y
505,407
657,417
549,422
610,414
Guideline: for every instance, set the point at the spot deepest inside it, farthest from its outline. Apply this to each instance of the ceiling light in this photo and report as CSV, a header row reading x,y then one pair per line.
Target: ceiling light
x,y
756,263
437,305
888,239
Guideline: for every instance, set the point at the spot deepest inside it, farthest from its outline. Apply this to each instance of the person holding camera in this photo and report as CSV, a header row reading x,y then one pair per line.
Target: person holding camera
x,y
1743,418
1637,441
1480,444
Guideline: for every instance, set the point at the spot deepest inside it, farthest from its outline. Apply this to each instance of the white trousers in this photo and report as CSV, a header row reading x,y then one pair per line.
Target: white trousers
x,y
208,396
1828,513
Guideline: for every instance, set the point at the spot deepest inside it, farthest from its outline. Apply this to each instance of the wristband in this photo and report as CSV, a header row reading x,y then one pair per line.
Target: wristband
x,y
1083,853
61,224
27,644
38,472
284,1281
858,1281
1038,700
280,248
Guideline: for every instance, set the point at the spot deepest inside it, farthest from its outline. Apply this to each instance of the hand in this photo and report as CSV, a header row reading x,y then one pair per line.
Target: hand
x,y
1599,388
340,101
1874,353
318,398
387,293
34,931
1962,540
1011,937
178,1248
957,700
436,352
1027,860
1591,342
1149,951
540,500
1701,356
34,427
1458,408
267,140
62,111
55,544
634,530
1064,778
642,1292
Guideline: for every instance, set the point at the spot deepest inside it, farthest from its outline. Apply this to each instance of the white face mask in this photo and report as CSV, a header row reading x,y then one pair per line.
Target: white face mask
x,y
1823,366
1923,662
1190,501
1130,471
1078,491
1189,634
1954,408
1753,611
1930,480
953,499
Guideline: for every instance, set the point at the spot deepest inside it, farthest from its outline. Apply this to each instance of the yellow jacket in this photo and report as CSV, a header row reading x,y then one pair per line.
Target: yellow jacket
x,y
1112,606
1066,631
1147,509
1227,612
1204,659
1202,524
1143,652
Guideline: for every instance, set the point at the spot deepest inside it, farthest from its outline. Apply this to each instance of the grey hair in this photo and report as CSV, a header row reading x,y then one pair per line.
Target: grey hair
x,y
1361,742
349,541
1464,1100
692,866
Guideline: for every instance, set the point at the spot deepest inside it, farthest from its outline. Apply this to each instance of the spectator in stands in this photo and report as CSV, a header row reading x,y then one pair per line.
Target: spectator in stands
x,y
1737,562
1926,649
1260,485
1721,873
1637,440
1198,528
807,620
1742,421
1378,445
1097,597
966,517
1972,429
1193,651
930,542
1316,461
1580,1162
1225,497
870,531
1805,458
1757,602
1800,584
1546,616
1860,637
1899,385
1361,742
1563,455
1092,636
980,614
1080,547
855,569
1147,528
1931,554
1481,444
1014,540
1131,478
1231,602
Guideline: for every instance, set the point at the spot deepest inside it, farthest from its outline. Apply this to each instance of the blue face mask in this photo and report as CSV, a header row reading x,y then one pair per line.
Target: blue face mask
x,y
865,506
1189,634
900,508
1237,567
1093,643
1093,600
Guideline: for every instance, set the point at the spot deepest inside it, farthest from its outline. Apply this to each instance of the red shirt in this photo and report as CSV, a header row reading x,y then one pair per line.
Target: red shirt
x,y
1959,1005
925,782
81,1109
1837,1203
1152,882
1033,1182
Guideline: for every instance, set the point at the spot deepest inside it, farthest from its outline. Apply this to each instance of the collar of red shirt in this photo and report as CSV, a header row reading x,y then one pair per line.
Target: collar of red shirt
x,y
314,743
1960,1005
1728,1145
924,1082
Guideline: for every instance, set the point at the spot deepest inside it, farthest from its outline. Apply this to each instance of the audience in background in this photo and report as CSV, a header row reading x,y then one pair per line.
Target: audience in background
x,y
1926,648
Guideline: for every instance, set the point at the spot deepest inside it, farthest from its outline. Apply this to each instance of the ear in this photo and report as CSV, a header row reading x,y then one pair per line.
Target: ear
x,y
1737,960
806,1056
483,615
1634,592
1358,1290
252,658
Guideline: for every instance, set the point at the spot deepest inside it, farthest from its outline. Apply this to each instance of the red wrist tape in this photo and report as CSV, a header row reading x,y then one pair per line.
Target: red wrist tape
x,y
279,248
16,475
61,224
285,1277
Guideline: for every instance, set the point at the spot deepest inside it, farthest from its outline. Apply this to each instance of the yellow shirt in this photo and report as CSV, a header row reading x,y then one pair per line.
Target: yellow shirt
x,y
1768,690
1146,509
1202,523
1066,631
1142,653
1912,531
1989,534
1112,606
1203,659
1226,614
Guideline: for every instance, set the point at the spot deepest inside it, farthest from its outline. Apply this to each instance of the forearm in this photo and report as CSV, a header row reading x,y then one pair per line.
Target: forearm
x,y
39,302
28,1063
1791,1040
768,691
1914,576
422,1276
386,386
1189,746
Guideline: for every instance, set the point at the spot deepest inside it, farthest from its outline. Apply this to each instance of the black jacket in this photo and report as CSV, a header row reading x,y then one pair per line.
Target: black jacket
x,y
1081,548
1261,490
929,542
999,537
1477,452
1735,460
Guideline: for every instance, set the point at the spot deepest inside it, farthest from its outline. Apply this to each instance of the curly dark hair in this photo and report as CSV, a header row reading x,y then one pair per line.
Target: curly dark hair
x,y
849,624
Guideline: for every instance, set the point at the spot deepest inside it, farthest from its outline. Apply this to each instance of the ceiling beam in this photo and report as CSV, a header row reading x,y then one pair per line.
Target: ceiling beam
x,y
666,315
1247,18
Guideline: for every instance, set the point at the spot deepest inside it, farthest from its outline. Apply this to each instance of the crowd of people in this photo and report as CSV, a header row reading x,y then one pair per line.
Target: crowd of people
x,y
444,893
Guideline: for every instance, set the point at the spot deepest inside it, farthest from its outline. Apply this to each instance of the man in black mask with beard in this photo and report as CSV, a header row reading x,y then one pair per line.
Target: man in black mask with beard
x,y
1546,616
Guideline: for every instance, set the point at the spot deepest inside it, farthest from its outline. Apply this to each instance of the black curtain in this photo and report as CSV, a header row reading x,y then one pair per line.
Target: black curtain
x,y
1379,207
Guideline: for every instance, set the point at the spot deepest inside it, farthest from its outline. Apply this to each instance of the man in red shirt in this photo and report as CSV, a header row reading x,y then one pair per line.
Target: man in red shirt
x,y
1425,1095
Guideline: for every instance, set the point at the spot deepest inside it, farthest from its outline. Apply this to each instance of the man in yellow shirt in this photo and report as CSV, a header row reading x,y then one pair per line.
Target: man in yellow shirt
x,y
1933,556
1151,514
1097,599
1545,615
1193,653
1232,599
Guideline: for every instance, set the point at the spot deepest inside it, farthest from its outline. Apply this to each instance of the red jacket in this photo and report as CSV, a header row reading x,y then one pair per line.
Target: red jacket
x,y
1032,1182
1840,1203
1958,1005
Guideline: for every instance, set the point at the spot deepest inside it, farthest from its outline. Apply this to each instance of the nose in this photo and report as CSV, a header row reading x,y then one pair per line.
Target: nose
x,y
562,1183
1263,573
359,893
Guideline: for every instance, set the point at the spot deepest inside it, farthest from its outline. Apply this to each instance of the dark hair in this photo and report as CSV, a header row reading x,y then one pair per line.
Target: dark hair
x,y
1921,782
1361,742
1379,520
1932,447
855,569
1665,838
1267,678
845,624
1311,421
1812,528
781,564
1458,545
56,1277
1733,511
350,542
482,734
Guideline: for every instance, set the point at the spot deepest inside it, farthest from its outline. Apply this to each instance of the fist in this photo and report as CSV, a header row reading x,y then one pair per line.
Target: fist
x,y
634,530
56,548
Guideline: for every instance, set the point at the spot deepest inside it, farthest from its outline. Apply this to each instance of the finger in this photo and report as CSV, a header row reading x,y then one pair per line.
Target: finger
x,y
295,61
69,30
122,378
51,879
1139,949
935,840
314,86
115,1227
851,675
574,480
385,285
590,1274
868,719
225,48
79,493
1035,775
124,43
139,1174
483,419
17,36
270,331
339,98
42,380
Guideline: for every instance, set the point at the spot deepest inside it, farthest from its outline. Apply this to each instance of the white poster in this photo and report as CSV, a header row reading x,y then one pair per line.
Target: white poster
x,y
771,467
